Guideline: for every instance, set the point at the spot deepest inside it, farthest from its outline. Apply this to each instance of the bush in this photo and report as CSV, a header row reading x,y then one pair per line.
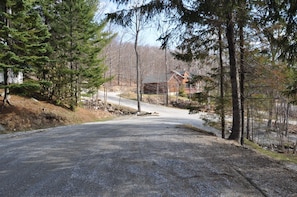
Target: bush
x,y
201,97
27,89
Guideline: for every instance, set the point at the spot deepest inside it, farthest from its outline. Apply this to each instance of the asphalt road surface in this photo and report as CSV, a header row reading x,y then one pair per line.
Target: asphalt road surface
x,y
136,156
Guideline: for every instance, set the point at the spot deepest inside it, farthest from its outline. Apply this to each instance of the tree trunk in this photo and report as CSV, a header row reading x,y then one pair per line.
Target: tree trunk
x,y
166,78
251,110
286,120
72,80
242,73
222,103
235,134
248,117
6,89
270,110
5,69
137,73
119,60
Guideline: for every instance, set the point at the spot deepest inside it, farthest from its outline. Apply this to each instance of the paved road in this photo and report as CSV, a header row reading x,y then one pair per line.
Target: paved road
x,y
173,114
137,156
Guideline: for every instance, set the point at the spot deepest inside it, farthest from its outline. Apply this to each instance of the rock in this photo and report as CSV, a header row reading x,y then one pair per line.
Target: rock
x,y
34,99
2,128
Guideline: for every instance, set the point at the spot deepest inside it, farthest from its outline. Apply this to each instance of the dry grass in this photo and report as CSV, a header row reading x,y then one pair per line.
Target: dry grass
x,y
275,155
28,114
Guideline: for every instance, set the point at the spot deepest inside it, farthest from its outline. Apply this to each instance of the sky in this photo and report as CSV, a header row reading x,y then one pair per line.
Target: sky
x,y
148,35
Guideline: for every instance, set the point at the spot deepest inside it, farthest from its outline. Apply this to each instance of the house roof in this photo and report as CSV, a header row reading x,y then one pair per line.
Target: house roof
x,y
161,77
182,73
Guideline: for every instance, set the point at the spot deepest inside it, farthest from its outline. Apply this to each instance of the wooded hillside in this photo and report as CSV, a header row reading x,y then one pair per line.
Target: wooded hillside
x,y
56,45
120,60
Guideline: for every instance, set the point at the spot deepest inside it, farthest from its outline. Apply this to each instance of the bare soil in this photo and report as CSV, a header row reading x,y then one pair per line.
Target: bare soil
x,y
29,114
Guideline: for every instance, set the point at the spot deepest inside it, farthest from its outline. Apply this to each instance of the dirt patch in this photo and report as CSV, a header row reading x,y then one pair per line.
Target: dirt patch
x,y
268,176
29,113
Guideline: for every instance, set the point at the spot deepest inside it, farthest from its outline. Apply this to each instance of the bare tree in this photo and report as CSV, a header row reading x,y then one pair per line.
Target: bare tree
x,y
151,62
136,23
137,28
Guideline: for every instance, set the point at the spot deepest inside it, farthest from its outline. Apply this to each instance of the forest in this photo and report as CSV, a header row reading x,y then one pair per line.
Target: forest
x,y
243,51
249,48
57,47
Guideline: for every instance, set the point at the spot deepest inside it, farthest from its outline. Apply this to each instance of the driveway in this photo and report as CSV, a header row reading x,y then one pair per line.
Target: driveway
x,y
136,156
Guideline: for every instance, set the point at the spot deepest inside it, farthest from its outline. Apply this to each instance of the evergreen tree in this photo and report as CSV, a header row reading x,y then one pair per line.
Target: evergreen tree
x,y
77,41
285,11
92,73
279,18
24,36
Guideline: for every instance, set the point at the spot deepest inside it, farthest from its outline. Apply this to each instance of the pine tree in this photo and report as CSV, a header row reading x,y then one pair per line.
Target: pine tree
x,y
93,69
23,43
77,41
